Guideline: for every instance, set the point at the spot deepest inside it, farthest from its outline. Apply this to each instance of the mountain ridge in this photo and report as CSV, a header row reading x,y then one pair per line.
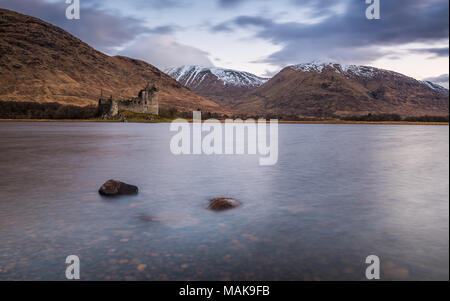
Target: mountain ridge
x,y
40,62
359,70
219,84
334,90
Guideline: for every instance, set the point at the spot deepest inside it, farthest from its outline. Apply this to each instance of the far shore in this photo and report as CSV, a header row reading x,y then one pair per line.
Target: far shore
x,y
331,121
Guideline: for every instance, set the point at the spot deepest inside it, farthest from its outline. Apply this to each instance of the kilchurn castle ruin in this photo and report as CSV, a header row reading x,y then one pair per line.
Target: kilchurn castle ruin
x,y
147,102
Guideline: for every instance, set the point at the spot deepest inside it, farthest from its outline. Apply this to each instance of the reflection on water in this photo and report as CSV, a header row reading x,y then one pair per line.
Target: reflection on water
x,y
338,194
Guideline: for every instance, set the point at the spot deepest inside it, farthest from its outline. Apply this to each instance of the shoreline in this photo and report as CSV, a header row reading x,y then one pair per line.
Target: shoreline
x,y
280,122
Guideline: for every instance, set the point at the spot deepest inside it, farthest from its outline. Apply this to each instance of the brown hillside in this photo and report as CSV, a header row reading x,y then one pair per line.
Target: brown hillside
x,y
331,89
40,62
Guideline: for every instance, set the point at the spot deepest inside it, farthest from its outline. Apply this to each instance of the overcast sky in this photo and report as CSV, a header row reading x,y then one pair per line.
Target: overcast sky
x,y
261,36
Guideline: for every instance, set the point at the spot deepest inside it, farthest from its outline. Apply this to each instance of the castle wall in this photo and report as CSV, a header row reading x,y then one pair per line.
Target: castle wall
x,y
153,107
146,103
114,108
108,107
138,106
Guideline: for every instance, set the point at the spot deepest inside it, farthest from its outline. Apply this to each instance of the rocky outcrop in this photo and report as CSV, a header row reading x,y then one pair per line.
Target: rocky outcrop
x,y
113,188
223,203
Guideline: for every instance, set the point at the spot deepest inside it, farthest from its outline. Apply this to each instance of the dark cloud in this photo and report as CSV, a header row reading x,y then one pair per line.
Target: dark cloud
x,y
166,29
316,5
163,4
253,21
348,36
230,3
435,52
319,8
242,21
153,4
441,79
222,27
234,4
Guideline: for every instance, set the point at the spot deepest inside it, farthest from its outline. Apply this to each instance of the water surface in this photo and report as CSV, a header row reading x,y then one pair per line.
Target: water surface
x,y
338,194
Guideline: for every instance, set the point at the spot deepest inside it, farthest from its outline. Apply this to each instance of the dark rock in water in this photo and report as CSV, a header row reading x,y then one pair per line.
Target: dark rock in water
x,y
223,203
125,189
112,188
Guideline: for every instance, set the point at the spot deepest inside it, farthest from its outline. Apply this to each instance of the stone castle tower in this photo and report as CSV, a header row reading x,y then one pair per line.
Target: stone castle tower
x,y
147,102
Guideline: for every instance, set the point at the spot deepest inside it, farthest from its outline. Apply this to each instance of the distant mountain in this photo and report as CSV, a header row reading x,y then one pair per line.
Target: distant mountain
x,y
327,89
221,85
40,62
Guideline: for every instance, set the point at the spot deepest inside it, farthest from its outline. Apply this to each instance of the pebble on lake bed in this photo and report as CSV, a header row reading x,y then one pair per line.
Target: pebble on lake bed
x,y
113,187
141,267
223,203
146,218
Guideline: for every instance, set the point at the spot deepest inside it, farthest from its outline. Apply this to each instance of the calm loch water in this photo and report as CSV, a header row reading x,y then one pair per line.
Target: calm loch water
x,y
338,194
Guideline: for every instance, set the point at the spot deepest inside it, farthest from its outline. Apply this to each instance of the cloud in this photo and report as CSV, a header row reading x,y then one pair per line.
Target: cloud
x,y
164,51
442,80
270,74
222,27
162,4
242,22
322,7
347,36
230,3
146,4
253,21
435,52
166,29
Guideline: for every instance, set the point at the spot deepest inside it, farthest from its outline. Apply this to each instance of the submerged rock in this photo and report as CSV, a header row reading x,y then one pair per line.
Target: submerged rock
x,y
146,218
113,187
223,203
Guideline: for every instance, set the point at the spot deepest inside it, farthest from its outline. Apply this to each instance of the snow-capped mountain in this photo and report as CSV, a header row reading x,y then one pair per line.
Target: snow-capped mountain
x,y
331,89
355,71
195,75
434,86
317,89
218,84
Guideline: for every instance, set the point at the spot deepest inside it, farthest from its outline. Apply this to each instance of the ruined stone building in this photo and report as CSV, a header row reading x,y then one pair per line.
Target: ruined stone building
x,y
147,102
